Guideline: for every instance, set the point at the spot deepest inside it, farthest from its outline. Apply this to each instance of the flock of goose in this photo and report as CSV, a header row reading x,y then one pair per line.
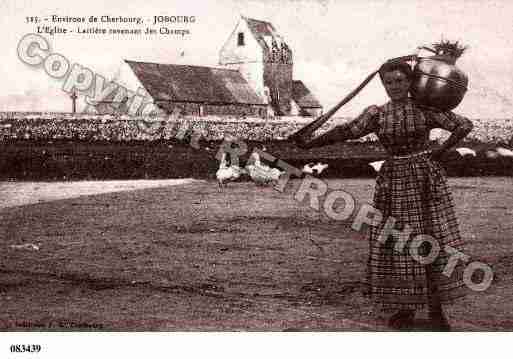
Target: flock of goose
x,y
263,175
259,173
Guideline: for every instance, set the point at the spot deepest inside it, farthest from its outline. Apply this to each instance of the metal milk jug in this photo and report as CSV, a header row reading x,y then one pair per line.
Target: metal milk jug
x,y
438,82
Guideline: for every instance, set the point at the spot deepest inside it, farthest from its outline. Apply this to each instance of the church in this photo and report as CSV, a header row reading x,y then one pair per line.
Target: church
x,y
254,78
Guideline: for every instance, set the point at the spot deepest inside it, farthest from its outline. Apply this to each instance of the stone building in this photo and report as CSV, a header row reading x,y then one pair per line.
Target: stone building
x,y
264,59
255,78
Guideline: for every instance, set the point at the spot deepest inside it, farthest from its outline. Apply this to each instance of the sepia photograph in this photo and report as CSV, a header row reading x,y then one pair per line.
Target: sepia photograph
x,y
271,173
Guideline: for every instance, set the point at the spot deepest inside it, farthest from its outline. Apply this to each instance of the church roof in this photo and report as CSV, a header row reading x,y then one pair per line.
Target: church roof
x,y
186,83
302,95
265,34
260,27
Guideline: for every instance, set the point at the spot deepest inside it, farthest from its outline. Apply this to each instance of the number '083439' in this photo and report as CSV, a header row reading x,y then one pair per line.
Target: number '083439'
x,y
25,348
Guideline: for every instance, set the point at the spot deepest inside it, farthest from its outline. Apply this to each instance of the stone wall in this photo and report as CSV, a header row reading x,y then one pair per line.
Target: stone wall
x,y
47,126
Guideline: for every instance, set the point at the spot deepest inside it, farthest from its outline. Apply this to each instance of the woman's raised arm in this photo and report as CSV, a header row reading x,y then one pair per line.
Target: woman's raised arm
x,y
360,126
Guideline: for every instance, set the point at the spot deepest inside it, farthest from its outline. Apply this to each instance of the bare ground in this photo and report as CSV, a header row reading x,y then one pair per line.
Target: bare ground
x,y
192,258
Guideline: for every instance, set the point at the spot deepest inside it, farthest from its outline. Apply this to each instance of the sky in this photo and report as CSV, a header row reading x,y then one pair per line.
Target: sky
x,y
335,44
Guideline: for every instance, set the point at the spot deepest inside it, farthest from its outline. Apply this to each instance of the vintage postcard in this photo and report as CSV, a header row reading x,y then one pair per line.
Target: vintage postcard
x,y
254,166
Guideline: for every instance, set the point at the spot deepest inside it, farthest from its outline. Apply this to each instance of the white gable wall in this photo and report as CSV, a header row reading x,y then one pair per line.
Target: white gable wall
x,y
247,59
232,53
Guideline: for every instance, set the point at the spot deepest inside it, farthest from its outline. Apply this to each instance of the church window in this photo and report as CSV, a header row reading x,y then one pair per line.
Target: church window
x,y
240,39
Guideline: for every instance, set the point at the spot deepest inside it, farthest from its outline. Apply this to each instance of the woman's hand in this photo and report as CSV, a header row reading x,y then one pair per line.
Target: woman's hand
x,y
457,134
372,110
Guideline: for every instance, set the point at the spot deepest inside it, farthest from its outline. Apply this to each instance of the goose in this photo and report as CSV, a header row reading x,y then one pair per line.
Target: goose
x,y
464,151
256,170
499,152
227,173
314,168
491,154
27,246
275,174
308,168
376,165
260,173
504,152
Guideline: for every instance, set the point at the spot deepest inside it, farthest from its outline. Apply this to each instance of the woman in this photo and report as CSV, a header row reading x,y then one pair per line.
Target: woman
x,y
410,187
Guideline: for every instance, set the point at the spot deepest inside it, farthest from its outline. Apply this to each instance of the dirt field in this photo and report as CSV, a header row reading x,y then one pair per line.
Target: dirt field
x,y
188,257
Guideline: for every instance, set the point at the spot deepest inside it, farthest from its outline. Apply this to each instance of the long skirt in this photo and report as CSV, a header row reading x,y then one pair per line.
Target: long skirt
x,y
414,193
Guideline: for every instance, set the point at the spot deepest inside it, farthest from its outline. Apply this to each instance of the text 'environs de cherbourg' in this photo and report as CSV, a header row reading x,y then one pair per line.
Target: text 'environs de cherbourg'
x,y
120,25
